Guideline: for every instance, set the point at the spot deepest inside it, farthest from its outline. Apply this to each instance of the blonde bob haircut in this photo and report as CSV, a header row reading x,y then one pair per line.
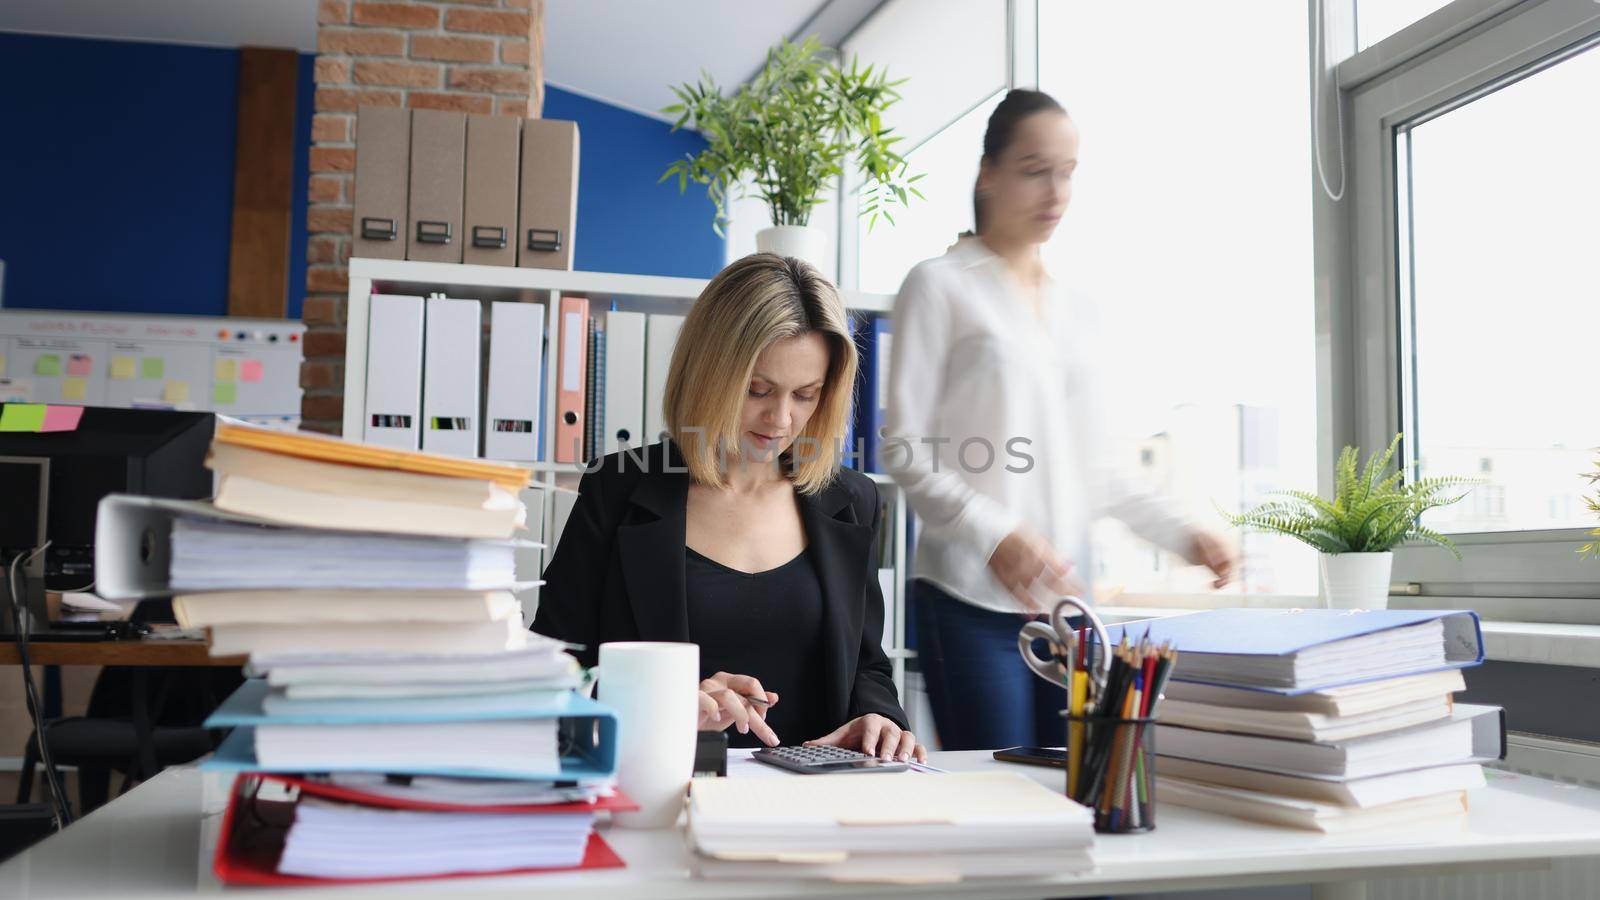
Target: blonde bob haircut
x,y
753,303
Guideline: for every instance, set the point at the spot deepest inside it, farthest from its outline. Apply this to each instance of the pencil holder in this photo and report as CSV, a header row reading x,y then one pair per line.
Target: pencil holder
x,y
1111,768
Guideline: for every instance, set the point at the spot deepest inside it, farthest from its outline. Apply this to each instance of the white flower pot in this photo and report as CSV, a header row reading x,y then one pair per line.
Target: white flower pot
x,y
800,241
1356,580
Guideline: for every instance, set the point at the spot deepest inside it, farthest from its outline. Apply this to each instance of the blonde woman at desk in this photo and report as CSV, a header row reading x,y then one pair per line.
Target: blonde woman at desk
x,y
992,430
742,533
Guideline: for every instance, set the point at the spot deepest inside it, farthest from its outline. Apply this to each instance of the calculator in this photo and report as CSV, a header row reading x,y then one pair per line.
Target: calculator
x,y
825,760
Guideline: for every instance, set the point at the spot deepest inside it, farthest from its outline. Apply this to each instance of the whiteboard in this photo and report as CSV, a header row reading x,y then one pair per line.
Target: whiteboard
x,y
246,368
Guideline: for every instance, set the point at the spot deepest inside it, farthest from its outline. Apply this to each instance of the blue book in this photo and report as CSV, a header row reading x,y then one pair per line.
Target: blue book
x,y
1296,651
588,750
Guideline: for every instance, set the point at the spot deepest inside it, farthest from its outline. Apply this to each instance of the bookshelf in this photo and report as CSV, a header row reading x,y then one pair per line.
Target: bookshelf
x,y
633,293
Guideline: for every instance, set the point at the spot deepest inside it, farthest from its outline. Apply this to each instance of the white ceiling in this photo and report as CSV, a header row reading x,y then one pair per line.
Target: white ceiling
x,y
629,51
625,52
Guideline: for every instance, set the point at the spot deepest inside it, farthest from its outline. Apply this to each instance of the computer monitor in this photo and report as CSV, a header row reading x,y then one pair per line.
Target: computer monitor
x,y
25,485
156,452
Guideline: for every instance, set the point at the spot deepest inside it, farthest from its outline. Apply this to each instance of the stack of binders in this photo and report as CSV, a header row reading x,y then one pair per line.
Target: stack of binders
x,y
1327,720
399,707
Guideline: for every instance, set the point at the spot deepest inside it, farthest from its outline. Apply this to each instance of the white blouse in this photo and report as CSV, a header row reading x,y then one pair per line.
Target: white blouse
x,y
993,421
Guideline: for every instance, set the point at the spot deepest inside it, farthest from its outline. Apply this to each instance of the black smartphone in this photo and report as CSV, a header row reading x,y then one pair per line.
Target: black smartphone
x,y
1034,756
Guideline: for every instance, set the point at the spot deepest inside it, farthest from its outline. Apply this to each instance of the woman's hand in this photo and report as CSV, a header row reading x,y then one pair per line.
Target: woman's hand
x,y
1024,559
727,700
1209,550
875,735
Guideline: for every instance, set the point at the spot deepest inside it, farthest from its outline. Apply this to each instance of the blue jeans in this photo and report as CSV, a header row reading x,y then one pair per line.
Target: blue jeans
x,y
984,696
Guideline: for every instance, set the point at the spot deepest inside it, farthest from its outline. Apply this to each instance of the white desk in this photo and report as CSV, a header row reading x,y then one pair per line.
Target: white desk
x,y
156,842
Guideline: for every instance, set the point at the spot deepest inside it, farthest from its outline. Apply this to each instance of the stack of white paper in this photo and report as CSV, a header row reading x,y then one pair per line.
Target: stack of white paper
x,y
543,665
468,791
860,827
212,555
511,746
336,840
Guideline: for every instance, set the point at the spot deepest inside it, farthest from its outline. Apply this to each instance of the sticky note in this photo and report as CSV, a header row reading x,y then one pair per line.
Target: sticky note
x,y
22,417
225,393
61,418
176,392
47,364
123,368
78,365
227,369
153,367
250,370
74,388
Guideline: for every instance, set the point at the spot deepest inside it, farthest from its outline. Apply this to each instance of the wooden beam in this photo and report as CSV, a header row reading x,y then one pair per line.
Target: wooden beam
x,y
263,176
536,60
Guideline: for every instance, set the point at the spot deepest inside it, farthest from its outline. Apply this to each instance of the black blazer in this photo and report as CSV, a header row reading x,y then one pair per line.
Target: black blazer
x,y
618,573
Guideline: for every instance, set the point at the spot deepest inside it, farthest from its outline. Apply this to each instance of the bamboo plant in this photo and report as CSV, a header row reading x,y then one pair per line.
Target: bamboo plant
x,y
790,132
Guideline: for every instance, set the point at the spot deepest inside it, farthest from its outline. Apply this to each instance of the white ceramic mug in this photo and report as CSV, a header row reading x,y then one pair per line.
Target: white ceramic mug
x,y
654,689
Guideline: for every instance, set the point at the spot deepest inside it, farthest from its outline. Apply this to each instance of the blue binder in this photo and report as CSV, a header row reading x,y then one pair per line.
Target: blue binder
x,y
588,752
1279,632
873,393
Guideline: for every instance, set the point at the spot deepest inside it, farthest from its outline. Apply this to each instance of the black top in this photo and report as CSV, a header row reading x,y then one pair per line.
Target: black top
x,y
619,574
767,625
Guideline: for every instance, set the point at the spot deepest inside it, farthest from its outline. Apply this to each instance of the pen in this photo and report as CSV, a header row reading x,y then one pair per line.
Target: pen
x,y
1080,693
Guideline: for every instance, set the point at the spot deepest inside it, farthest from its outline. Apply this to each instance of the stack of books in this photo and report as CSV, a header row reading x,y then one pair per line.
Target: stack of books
x,y
401,720
1329,720
905,828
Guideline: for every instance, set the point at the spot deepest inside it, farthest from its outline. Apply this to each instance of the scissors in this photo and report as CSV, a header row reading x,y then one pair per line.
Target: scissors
x,y
1058,632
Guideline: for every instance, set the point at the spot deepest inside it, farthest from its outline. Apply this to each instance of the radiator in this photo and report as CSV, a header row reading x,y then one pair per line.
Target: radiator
x,y
1575,762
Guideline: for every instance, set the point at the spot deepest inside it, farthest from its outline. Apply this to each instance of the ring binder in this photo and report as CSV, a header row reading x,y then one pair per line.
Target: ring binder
x,y
544,239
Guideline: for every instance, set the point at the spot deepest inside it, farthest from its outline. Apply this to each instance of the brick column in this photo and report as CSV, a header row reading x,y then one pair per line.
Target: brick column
x,y
478,56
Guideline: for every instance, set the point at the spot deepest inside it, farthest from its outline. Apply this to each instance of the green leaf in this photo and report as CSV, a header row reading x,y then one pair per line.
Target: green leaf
x,y
793,128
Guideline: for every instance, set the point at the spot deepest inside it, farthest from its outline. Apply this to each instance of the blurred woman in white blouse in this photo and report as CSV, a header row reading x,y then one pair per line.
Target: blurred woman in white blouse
x,y
994,432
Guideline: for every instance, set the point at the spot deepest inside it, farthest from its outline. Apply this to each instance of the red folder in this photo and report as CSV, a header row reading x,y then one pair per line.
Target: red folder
x,y
253,831
617,802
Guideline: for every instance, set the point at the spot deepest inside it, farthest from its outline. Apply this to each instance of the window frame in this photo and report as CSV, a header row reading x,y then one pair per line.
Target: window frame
x,y
1446,60
1022,68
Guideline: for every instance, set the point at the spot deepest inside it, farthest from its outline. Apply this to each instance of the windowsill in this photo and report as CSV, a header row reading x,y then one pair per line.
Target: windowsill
x,y
1541,643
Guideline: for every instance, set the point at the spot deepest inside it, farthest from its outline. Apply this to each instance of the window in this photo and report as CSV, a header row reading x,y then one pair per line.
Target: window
x,y
948,162
1190,227
1496,209
952,55
1451,275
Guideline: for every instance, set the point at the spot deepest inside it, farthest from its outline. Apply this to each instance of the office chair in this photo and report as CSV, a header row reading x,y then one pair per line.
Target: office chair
x,y
140,720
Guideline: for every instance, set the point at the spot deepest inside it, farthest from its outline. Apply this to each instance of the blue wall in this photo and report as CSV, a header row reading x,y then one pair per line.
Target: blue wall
x,y
626,221
116,175
116,179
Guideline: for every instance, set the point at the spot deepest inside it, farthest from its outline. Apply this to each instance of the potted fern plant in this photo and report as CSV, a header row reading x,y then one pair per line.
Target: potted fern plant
x,y
1372,511
786,135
